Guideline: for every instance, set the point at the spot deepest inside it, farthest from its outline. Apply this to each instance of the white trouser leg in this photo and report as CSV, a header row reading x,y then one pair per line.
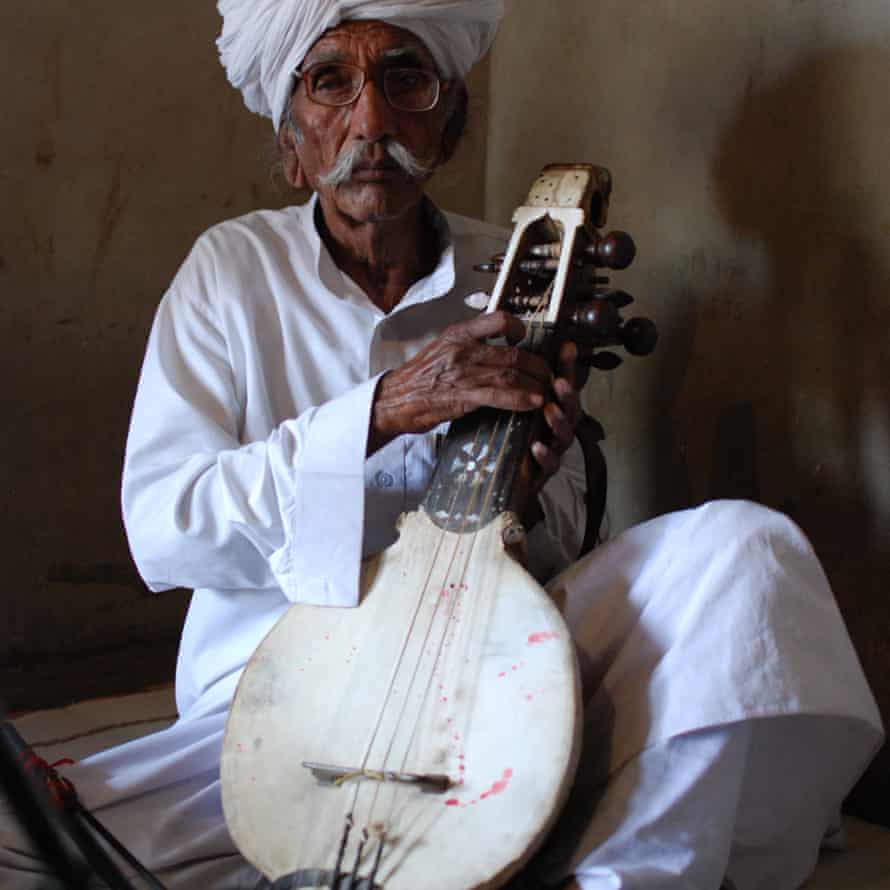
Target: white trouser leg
x,y
750,801
797,773
726,712
664,820
174,826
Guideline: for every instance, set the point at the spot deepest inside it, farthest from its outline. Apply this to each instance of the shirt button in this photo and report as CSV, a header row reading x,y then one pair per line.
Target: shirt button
x,y
384,479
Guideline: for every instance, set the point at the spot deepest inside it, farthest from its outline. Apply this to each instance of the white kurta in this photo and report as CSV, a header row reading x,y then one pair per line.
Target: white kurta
x,y
245,475
726,711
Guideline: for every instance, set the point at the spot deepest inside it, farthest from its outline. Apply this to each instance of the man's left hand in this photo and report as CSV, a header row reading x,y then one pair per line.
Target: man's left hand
x,y
561,416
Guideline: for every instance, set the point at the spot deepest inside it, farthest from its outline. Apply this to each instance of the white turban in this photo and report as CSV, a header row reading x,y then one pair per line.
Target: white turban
x,y
264,41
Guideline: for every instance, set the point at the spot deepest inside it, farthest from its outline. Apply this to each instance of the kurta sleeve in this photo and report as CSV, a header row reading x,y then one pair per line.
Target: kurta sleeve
x,y
204,509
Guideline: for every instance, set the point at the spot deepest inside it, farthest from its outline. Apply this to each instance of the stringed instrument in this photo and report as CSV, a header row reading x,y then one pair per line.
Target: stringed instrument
x,y
429,737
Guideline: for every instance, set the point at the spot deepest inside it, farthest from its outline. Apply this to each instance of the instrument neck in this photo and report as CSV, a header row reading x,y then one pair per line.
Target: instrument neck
x,y
482,469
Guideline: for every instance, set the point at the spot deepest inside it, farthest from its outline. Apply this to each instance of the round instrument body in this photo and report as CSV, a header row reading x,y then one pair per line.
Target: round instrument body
x,y
456,663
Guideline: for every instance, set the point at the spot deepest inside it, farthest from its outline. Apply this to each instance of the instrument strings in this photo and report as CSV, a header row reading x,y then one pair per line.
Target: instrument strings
x,y
350,808
455,600
536,318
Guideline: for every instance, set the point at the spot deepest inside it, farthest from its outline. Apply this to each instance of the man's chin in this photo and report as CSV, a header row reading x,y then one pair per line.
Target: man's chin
x,y
378,200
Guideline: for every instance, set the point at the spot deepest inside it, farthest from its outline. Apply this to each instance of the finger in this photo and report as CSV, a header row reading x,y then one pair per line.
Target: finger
x,y
546,459
569,400
419,413
568,364
508,380
563,431
472,364
495,325
527,363
492,324
568,356
494,397
572,368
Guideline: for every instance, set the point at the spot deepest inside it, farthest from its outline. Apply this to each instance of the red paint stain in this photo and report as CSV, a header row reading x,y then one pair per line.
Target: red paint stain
x,y
502,674
499,786
444,698
541,637
327,636
529,697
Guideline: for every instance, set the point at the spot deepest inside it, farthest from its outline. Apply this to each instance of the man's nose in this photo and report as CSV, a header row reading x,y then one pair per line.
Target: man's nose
x,y
372,115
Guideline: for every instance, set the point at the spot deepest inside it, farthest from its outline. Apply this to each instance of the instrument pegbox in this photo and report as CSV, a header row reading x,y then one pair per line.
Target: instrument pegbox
x,y
549,274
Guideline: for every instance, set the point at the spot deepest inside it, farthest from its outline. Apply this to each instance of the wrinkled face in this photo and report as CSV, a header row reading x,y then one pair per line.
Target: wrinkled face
x,y
379,188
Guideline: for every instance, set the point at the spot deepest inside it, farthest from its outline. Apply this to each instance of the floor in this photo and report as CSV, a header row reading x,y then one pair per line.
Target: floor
x,y
81,729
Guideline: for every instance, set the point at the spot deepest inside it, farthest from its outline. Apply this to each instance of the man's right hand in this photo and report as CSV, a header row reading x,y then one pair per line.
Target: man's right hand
x,y
457,373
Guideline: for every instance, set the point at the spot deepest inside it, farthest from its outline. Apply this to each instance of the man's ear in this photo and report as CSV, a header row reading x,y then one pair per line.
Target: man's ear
x,y
457,120
290,158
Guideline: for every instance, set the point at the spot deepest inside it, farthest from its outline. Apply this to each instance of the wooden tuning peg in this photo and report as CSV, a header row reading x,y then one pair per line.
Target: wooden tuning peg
x,y
599,317
613,251
602,361
618,298
493,266
639,336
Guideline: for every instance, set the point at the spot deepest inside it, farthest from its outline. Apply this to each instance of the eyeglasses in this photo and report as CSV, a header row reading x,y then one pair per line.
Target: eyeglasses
x,y
339,83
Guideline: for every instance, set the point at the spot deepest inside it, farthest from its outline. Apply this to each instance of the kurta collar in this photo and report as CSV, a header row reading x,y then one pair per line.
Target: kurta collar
x,y
435,285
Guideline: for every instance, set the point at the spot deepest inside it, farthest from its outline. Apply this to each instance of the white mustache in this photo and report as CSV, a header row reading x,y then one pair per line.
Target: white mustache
x,y
356,153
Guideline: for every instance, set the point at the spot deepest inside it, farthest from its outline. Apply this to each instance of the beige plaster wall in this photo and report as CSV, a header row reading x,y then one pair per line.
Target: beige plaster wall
x,y
749,145
121,142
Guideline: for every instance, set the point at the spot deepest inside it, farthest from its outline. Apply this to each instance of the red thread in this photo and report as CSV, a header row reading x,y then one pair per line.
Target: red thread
x,y
61,791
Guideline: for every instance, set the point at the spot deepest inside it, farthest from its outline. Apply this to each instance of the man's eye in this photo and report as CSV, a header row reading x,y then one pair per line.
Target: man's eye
x,y
330,80
408,80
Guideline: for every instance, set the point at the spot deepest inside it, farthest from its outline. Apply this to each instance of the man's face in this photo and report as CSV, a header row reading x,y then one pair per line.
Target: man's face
x,y
378,188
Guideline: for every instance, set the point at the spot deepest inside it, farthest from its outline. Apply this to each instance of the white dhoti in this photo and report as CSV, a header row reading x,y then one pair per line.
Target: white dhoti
x,y
726,718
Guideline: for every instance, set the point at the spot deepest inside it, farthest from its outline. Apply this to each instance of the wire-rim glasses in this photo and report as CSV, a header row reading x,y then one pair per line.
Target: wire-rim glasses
x,y
338,83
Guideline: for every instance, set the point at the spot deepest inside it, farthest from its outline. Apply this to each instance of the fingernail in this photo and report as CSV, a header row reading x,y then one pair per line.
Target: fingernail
x,y
477,301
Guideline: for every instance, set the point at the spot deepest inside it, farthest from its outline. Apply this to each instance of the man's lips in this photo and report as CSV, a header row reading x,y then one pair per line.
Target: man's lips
x,y
376,172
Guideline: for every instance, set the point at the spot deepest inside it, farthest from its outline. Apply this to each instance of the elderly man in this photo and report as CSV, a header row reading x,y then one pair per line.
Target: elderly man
x,y
296,377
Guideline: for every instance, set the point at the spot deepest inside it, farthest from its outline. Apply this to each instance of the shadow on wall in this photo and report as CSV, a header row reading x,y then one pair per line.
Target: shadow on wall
x,y
799,172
